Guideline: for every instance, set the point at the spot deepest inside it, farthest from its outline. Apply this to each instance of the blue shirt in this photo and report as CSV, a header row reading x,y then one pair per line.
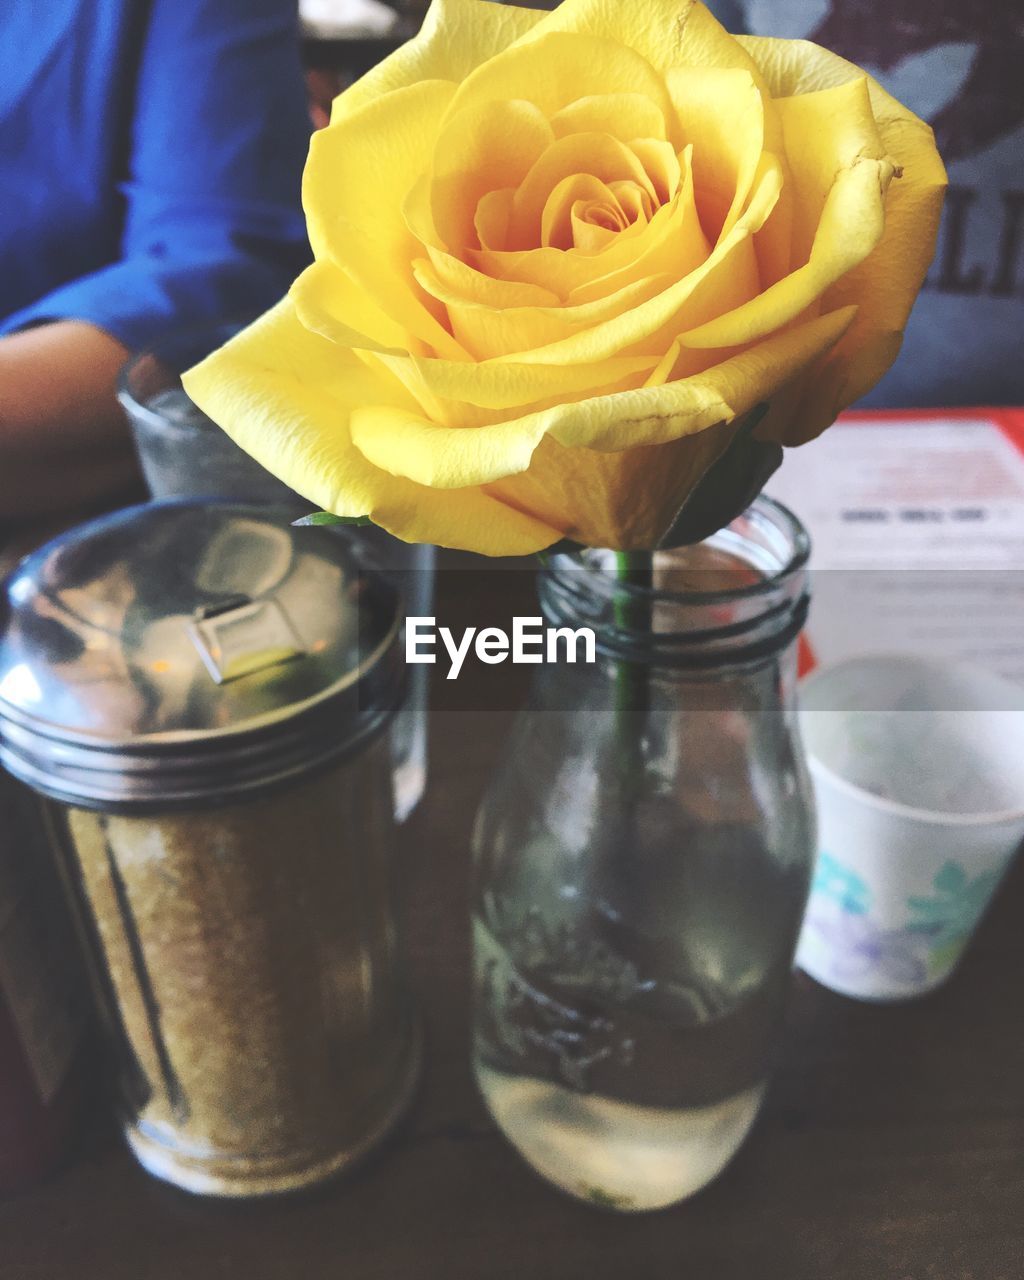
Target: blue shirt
x,y
151,154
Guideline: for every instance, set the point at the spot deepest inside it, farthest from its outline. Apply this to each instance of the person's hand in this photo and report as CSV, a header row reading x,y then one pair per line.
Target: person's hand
x,y
323,86
64,441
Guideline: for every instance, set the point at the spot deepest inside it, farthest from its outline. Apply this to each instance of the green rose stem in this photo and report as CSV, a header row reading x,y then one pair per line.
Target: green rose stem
x,y
634,572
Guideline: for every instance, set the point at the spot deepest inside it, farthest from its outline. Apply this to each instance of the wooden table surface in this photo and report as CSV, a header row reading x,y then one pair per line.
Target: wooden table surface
x,y
891,1146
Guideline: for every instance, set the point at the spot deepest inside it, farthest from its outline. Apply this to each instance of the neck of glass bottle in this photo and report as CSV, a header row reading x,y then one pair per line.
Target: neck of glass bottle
x,y
727,609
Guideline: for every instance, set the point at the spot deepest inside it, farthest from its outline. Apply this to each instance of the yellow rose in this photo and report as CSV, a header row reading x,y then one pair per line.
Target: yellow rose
x,y
558,255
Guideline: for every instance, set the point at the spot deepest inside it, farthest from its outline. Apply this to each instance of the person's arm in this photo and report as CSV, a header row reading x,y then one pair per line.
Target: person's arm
x,y
213,231
218,135
64,441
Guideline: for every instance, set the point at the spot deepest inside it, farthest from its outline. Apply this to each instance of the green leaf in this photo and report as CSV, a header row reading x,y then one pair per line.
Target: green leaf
x,y
319,518
728,486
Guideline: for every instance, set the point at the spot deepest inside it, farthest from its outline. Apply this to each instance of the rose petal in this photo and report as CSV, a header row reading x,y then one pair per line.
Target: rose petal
x,y
286,395
559,68
581,275
729,274
456,36
838,164
405,443
885,284
721,113
458,281
493,215
557,225
622,115
409,445
491,385
667,33
360,170
565,270
661,164
653,415
323,294
633,202
487,332
674,245
629,498
824,133
357,177
623,500
596,154
478,151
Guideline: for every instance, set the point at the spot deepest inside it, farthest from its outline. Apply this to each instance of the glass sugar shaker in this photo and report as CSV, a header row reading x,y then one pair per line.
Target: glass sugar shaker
x,y
201,693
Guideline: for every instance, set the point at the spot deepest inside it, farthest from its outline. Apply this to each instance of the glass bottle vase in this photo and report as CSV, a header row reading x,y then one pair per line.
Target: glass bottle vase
x,y
642,858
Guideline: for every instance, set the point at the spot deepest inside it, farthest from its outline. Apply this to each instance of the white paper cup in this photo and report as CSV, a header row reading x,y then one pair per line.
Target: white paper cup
x,y
918,771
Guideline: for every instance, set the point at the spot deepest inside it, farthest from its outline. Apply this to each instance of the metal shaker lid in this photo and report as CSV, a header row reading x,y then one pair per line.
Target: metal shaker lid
x,y
182,651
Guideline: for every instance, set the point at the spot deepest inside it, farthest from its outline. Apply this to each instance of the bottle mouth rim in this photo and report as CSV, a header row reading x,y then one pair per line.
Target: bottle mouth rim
x,y
767,512
729,626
